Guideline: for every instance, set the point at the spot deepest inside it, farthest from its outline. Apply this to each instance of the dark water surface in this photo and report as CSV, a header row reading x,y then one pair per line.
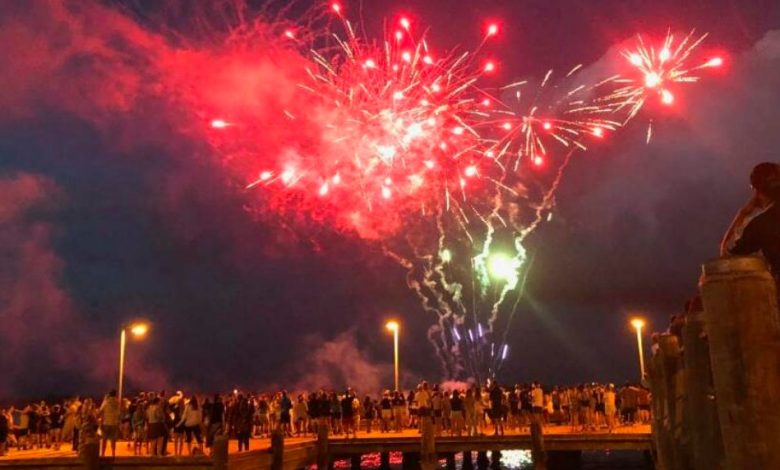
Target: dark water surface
x,y
521,460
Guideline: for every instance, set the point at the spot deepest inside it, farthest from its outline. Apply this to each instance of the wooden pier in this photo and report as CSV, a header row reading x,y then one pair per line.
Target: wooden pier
x,y
297,453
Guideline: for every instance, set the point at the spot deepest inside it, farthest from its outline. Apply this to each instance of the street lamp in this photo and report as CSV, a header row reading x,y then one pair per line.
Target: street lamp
x,y
138,330
394,327
638,324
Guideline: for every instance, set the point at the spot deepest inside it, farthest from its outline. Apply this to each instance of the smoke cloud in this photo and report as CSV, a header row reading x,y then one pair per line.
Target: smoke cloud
x,y
41,326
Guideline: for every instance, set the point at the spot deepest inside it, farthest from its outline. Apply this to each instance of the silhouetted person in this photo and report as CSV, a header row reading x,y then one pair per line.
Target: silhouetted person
x,y
762,233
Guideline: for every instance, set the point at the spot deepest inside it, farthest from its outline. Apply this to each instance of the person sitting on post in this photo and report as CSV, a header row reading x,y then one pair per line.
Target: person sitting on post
x,y
761,234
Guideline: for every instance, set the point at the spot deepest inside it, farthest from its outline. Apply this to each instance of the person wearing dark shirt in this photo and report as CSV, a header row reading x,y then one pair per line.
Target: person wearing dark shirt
x,y
348,414
386,413
496,402
285,415
762,232
457,416
216,415
5,426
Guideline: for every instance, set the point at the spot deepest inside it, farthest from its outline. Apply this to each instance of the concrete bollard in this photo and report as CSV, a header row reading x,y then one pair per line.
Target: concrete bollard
x,y
701,413
742,323
219,452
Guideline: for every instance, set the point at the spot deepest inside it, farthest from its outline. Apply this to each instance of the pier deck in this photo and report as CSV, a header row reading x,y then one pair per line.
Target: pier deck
x,y
299,452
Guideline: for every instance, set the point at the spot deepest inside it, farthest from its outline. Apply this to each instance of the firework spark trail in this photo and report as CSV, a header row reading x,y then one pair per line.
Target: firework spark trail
x,y
408,140
657,74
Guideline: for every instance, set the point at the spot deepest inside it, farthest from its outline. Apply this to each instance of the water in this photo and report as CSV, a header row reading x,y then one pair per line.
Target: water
x,y
521,460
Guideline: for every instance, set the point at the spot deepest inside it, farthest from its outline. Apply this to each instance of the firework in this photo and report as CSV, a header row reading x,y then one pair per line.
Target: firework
x,y
411,147
398,128
657,73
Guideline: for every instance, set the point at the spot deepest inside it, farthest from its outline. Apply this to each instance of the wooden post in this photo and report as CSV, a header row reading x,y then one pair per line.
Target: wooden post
x,y
277,450
669,348
495,460
410,461
355,462
538,454
468,463
482,460
658,390
219,452
743,327
384,460
323,458
428,445
450,461
89,453
702,414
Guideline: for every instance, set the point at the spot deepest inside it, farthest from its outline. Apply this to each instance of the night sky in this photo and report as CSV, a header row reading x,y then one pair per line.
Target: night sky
x,y
109,212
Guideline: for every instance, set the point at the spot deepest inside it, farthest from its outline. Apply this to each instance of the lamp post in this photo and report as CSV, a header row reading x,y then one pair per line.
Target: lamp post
x,y
394,327
138,330
638,324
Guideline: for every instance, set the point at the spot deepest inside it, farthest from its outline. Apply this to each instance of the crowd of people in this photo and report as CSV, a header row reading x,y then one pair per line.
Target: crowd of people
x,y
153,423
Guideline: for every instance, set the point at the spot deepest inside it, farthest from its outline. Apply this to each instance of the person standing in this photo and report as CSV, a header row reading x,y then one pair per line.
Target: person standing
x,y
56,418
348,414
386,411
138,423
216,416
470,412
242,422
108,416
537,402
192,420
609,407
456,413
155,419
285,414
5,426
399,411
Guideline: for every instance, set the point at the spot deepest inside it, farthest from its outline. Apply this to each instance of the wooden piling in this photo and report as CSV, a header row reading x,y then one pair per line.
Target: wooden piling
x,y
428,445
468,463
277,450
89,454
743,327
538,454
219,452
450,460
482,460
384,460
323,457
661,432
701,413
670,353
